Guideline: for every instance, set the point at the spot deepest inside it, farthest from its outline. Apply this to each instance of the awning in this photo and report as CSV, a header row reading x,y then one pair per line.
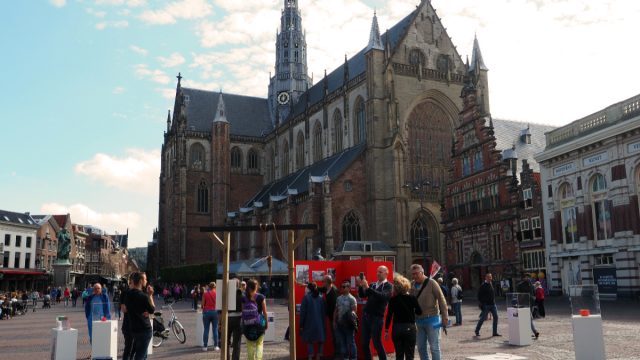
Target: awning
x,y
21,272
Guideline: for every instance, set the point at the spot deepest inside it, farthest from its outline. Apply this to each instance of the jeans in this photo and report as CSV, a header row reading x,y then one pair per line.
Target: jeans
x,y
235,333
457,309
254,348
372,330
426,333
493,309
347,342
404,340
128,346
210,318
141,345
310,351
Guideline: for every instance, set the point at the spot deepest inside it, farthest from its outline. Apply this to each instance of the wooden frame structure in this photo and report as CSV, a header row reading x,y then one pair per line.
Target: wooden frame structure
x,y
226,246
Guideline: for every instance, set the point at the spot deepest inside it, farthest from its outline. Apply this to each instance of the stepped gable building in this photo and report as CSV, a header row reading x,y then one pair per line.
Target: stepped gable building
x,y
337,153
591,186
494,194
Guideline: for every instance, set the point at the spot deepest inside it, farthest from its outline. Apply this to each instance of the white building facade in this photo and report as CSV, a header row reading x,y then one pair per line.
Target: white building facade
x,y
590,172
18,244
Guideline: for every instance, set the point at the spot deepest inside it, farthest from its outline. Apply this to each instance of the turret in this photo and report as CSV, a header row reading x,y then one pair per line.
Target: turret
x,y
220,164
479,74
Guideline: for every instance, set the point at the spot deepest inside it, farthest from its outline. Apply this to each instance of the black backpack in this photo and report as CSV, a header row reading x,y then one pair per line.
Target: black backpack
x,y
459,295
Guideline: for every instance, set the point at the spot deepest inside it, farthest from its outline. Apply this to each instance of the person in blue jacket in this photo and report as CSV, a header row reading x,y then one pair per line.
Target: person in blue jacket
x,y
96,306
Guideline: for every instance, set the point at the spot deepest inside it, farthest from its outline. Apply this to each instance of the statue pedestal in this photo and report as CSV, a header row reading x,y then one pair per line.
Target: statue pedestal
x,y
62,274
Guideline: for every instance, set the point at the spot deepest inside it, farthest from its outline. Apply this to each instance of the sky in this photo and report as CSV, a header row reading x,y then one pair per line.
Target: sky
x,y
88,82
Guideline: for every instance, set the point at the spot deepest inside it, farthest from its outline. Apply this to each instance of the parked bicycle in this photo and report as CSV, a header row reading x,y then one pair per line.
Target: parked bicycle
x,y
161,333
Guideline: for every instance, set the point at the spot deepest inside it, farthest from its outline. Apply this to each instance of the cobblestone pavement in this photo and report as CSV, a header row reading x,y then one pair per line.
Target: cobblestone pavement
x,y
29,336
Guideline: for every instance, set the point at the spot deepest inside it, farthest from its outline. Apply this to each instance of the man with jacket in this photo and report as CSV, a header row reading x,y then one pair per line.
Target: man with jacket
x,y
96,307
378,295
487,299
139,306
331,294
434,313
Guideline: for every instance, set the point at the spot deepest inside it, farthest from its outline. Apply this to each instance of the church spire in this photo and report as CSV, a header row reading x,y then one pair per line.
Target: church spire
x,y
476,57
375,41
221,115
168,120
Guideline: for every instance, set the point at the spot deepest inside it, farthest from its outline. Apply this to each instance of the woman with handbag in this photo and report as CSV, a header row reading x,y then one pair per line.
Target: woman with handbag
x,y
403,309
254,324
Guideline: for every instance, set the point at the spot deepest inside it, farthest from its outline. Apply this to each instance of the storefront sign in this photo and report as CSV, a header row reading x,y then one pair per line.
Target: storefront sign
x,y
595,159
634,147
606,280
563,169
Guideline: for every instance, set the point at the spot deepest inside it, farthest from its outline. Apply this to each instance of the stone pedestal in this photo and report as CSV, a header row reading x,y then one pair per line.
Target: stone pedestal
x,y
519,320
62,274
105,339
64,344
588,340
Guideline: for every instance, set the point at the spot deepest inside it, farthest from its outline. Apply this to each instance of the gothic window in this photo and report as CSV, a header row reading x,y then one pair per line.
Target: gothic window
x,y
236,158
601,207
427,126
443,63
295,55
351,227
337,132
317,142
416,57
252,160
359,119
419,234
477,163
466,165
497,246
197,156
568,214
300,151
271,165
285,159
203,197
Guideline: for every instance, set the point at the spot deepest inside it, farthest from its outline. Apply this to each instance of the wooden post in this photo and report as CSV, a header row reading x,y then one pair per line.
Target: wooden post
x,y
292,296
225,297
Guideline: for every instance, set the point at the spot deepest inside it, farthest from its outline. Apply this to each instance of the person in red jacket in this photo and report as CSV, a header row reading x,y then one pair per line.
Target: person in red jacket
x,y
539,290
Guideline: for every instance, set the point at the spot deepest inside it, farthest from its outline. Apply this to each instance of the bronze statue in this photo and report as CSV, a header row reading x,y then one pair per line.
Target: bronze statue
x,y
64,244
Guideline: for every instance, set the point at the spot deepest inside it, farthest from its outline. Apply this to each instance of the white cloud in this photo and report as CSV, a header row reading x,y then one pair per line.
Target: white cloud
x,y
182,9
129,3
98,14
143,71
58,3
167,93
173,60
138,50
83,214
118,24
118,90
138,171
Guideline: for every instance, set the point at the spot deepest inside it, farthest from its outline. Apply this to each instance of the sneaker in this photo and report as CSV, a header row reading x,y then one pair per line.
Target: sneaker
x,y
204,348
217,348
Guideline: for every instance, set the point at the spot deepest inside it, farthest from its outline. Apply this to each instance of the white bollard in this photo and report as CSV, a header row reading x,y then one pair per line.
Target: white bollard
x,y
270,334
587,337
104,342
64,344
199,329
519,320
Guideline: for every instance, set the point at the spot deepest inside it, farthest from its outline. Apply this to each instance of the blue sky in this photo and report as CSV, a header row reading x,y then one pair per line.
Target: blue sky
x,y
88,83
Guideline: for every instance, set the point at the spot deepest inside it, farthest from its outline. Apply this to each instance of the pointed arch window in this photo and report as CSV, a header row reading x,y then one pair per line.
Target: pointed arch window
x,y
197,156
203,197
351,227
419,234
300,151
416,57
252,160
359,118
601,208
568,214
236,158
317,142
337,132
285,159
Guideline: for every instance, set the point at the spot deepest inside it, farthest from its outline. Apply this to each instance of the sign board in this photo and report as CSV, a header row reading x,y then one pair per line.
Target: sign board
x,y
606,280
595,159
563,169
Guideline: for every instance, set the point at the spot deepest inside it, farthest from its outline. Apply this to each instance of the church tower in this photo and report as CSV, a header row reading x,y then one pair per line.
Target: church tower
x,y
290,79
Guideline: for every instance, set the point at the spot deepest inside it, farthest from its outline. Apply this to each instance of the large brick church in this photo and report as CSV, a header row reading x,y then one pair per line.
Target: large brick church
x,y
365,152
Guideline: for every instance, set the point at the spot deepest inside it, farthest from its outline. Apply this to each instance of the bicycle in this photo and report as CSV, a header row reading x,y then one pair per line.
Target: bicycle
x,y
160,333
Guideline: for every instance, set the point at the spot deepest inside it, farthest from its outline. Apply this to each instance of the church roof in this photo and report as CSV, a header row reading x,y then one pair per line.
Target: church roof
x,y
509,136
247,115
332,167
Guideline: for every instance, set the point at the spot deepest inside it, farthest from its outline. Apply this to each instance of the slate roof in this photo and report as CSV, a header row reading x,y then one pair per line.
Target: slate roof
x,y
247,115
332,166
358,246
508,133
17,218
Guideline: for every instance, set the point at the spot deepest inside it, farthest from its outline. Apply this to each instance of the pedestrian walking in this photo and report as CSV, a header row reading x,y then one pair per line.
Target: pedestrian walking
x,y
403,309
539,291
34,298
139,305
312,313
96,307
117,299
254,324
456,301
235,325
210,317
434,313
74,296
195,296
377,295
487,299
346,307
67,296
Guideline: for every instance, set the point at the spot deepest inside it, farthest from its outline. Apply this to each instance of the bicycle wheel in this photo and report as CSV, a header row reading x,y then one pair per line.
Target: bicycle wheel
x,y
178,331
157,339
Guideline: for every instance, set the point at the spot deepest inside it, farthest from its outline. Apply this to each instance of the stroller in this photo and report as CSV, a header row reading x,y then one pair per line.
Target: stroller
x,y
46,302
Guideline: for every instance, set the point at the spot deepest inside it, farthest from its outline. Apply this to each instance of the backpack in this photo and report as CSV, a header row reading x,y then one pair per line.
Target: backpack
x,y
459,295
252,319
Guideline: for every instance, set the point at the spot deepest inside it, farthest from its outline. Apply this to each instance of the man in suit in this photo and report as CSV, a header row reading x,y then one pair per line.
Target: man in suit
x,y
378,295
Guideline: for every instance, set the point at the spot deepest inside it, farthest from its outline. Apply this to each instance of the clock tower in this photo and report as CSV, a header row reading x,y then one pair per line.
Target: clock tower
x,y
290,79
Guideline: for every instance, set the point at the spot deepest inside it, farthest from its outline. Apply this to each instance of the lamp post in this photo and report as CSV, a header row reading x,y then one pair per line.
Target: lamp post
x,y
418,188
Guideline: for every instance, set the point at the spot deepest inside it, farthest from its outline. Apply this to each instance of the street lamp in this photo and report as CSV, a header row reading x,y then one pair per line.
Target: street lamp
x,y
418,188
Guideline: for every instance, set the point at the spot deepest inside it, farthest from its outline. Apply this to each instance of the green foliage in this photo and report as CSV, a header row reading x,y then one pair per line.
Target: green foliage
x,y
201,273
